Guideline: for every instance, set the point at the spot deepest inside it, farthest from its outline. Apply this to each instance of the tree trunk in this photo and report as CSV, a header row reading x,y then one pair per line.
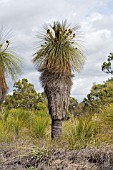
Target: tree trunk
x,y
0,107
57,88
3,90
56,129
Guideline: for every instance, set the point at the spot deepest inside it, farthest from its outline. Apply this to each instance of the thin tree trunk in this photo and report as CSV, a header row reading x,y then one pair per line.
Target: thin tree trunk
x,y
56,129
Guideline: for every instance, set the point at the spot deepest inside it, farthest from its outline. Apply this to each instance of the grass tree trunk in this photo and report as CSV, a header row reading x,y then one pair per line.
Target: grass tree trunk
x,y
57,90
3,90
0,107
56,129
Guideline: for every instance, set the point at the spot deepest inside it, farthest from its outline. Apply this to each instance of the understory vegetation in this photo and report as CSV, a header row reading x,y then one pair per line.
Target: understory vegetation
x,y
25,117
94,129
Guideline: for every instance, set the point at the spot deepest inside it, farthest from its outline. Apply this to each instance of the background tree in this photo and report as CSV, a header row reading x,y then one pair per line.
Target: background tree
x,y
107,66
56,58
9,65
100,95
75,108
73,105
25,96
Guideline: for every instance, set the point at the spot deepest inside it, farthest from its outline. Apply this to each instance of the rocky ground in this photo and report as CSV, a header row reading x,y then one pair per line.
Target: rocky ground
x,y
13,158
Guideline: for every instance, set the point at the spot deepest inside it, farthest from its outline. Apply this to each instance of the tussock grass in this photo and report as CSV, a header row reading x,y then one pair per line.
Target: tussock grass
x,y
39,127
79,132
17,122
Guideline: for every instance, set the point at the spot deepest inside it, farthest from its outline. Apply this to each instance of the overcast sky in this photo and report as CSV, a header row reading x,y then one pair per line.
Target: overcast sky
x,y
26,18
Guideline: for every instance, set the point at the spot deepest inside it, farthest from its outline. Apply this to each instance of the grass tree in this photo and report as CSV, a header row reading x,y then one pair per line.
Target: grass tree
x,y
9,64
57,58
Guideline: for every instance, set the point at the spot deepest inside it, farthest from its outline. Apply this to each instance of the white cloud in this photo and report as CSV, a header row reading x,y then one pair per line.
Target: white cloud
x,y
96,16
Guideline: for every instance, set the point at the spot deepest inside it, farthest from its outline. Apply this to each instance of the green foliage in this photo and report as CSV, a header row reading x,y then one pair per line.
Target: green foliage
x,y
17,122
107,117
75,108
25,96
100,95
9,61
72,105
31,168
60,52
42,110
107,66
104,121
39,152
80,132
39,127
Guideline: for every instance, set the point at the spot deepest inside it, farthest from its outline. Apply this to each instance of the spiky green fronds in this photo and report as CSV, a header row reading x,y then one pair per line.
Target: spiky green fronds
x,y
60,52
10,63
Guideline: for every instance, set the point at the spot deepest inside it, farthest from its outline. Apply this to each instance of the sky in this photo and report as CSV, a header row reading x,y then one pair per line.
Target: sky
x,y
95,17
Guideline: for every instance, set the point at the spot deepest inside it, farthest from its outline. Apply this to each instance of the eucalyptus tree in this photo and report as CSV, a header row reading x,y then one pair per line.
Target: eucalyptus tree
x,y
107,66
100,96
25,96
9,64
57,58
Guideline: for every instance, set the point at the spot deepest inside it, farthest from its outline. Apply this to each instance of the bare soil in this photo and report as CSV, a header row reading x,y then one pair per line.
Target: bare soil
x,y
14,158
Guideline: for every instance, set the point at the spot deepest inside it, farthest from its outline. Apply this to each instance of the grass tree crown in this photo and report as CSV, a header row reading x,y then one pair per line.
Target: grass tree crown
x,y
10,64
59,52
